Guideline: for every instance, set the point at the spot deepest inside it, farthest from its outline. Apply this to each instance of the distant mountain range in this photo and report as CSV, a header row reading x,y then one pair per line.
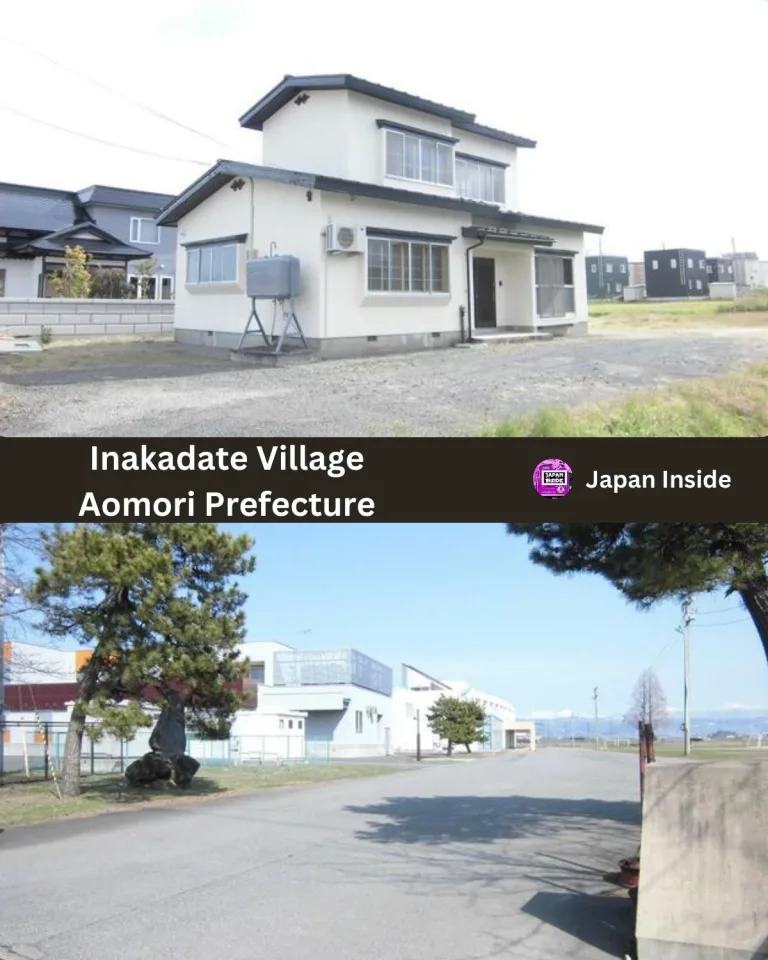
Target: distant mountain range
x,y
743,723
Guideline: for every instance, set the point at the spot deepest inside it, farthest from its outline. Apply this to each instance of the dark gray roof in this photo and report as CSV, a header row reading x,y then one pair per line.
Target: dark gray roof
x,y
225,170
290,86
105,244
36,209
118,197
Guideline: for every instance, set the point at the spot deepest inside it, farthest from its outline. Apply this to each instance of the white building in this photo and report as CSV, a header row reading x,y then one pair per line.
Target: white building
x,y
418,693
344,697
403,215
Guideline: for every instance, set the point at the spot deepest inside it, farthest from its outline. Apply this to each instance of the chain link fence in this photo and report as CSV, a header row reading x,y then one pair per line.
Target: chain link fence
x,y
34,751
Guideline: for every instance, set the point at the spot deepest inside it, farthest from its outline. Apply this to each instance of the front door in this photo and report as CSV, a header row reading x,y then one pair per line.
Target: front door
x,y
484,281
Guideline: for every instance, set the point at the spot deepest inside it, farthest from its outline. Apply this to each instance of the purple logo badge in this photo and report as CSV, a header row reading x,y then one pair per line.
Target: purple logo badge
x,y
552,478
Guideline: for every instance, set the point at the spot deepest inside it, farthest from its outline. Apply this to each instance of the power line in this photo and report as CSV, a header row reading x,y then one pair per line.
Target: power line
x,y
118,93
105,143
714,613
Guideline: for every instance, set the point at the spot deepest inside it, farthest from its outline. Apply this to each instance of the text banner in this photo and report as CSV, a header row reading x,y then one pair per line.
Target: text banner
x,y
363,480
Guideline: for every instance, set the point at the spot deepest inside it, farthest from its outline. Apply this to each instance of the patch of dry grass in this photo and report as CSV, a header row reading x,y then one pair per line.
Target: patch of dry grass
x,y
28,803
735,405
679,315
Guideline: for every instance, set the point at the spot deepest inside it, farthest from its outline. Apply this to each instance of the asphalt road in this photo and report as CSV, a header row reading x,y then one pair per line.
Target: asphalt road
x,y
172,393
501,857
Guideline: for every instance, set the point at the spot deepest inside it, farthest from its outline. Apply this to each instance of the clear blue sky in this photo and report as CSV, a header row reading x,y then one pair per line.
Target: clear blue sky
x,y
463,602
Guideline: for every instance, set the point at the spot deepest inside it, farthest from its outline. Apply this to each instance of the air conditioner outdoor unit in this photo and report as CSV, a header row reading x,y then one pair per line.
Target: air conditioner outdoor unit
x,y
344,239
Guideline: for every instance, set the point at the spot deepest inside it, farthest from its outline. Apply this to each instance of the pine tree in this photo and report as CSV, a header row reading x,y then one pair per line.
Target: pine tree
x,y
158,605
458,721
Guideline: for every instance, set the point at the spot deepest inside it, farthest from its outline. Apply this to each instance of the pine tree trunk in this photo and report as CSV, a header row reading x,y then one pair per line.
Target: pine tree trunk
x,y
469,749
755,597
450,748
73,744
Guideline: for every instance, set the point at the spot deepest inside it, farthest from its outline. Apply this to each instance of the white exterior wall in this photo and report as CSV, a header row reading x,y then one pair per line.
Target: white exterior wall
x,y
335,729
263,651
21,277
349,310
334,303
407,702
281,215
335,133
261,735
29,663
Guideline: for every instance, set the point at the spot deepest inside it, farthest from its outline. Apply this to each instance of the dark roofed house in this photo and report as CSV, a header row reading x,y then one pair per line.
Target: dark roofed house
x,y
115,227
402,218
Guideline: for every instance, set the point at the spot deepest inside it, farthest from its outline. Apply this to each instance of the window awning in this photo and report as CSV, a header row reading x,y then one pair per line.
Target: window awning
x,y
506,235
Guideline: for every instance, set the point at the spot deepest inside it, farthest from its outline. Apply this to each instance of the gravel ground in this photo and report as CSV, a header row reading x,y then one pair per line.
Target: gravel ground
x,y
502,857
445,393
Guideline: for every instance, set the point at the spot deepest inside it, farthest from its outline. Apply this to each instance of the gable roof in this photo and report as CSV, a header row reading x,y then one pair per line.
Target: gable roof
x,y
290,86
92,238
226,170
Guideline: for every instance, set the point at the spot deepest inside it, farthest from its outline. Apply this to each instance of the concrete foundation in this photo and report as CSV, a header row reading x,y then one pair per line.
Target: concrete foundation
x,y
704,863
339,348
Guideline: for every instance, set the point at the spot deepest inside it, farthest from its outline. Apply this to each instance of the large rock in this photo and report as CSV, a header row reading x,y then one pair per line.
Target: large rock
x,y
154,768
167,761
169,735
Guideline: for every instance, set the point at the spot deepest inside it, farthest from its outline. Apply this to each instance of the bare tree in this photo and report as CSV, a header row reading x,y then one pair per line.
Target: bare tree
x,y
649,702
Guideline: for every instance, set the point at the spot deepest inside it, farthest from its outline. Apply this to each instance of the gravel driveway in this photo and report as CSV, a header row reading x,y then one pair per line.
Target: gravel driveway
x,y
445,393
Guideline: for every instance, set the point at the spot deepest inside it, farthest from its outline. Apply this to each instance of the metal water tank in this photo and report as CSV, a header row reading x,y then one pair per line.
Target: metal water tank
x,y
273,278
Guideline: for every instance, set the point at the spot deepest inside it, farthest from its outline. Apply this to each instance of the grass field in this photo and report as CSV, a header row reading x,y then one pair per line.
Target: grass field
x,y
618,317
699,751
735,405
28,803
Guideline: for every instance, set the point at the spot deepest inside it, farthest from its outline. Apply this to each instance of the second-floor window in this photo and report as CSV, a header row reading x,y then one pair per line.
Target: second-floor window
x,y
213,263
404,266
257,672
418,158
480,181
144,230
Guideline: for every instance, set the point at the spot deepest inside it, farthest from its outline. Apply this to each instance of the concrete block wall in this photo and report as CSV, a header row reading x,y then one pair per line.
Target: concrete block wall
x,y
85,318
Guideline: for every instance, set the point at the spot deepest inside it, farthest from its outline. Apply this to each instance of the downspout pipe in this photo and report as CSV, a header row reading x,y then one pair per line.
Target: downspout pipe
x,y
470,305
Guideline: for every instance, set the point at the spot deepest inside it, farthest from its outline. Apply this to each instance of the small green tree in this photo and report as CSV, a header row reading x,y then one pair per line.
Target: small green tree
x,y
74,280
158,605
649,562
458,721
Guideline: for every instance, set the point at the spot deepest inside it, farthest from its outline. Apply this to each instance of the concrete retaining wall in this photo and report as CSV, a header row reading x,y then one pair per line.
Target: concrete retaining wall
x,y
704,862
85,318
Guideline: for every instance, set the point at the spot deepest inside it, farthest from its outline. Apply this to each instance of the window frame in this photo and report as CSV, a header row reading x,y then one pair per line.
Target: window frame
x,y
201,251
673,263
420,140
358,721
429,262
135,234
654,264
498,197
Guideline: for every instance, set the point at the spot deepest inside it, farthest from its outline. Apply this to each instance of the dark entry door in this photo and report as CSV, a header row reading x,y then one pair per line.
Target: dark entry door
x,y
484,279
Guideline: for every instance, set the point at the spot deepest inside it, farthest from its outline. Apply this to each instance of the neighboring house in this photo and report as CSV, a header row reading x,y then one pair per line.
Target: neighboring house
x,y
606,277
418,693
719,270
749,270
403,215
115,227
674,274
343,696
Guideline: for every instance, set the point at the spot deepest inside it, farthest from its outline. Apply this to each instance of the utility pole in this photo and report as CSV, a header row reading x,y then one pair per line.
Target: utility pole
x,y
685,629
597,734
418,735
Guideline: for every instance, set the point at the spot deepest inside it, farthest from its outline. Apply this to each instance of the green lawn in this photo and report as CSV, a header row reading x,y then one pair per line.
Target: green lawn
x,y
734,405
27,803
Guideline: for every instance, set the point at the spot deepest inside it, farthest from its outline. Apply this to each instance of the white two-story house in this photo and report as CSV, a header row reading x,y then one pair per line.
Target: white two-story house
x,y
403,217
